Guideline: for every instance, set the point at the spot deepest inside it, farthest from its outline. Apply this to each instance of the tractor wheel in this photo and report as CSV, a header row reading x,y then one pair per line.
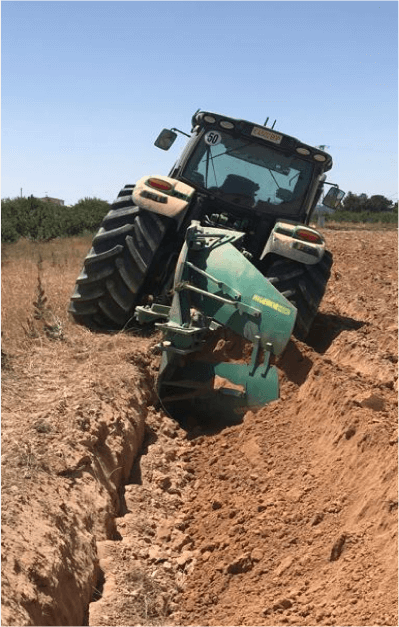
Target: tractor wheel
x,y
114,273
303,285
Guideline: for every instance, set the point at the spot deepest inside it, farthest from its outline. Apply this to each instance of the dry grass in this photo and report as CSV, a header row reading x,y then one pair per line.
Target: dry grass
x,y
37,281
58,377
47,359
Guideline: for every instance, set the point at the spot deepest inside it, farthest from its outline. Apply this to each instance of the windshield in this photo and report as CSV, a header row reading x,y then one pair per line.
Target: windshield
x,y
249,173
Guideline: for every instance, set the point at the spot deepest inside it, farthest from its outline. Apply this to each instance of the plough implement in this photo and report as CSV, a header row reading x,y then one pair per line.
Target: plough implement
x,y
217,288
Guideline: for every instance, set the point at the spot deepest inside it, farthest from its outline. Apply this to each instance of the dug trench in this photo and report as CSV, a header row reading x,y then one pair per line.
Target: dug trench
x,y
114,514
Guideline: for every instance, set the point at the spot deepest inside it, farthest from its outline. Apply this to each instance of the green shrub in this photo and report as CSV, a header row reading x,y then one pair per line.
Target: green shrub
x,y
38,220
386,217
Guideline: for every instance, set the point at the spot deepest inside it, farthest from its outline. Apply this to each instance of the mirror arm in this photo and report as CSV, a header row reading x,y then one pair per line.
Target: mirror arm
x,y
182,132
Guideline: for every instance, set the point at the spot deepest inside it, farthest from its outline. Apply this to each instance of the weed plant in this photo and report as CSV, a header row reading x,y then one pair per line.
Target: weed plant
x,y
37,281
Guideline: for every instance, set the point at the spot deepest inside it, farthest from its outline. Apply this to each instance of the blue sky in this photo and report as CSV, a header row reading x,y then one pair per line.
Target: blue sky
x,y
87,86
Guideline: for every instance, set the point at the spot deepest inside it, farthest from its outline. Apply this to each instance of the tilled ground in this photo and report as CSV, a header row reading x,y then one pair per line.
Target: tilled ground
x,y
289,517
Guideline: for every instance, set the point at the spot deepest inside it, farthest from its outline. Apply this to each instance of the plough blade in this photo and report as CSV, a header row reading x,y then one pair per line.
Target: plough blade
x,y
222,389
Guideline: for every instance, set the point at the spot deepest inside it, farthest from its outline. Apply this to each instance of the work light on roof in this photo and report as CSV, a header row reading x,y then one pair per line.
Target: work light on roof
x,y
319,157
226,124
209,118
303,151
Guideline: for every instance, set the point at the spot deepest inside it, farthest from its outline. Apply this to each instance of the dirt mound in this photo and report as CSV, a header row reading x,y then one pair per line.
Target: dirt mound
x,y
300,522
289,517
70,436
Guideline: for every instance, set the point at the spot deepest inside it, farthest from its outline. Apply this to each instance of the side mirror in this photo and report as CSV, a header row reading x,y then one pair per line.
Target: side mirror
x,y
333,197
165,139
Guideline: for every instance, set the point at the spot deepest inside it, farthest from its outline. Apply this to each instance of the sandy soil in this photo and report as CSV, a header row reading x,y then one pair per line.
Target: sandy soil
x,y
114,514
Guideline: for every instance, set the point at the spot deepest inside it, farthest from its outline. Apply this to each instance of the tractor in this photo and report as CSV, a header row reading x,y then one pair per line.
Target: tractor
x,y
222,242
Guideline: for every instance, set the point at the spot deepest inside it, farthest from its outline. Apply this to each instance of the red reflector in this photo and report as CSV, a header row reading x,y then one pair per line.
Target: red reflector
x,y
159,184
308,236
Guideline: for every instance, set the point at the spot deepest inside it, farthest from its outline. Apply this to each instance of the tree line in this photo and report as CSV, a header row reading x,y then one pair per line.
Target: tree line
x,y
35,219
360,208
361,202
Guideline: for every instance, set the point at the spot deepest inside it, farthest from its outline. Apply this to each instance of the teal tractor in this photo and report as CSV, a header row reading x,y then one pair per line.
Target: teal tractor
x,y
222,242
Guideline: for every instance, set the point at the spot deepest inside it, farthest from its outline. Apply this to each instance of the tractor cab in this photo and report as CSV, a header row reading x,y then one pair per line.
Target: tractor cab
x,y
260,171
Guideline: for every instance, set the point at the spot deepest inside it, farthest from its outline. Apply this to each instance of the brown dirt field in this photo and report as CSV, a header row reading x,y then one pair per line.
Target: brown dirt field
x,y
113,514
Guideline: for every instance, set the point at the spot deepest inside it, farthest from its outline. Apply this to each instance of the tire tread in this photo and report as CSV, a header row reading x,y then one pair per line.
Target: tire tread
x,y
303,285
115,270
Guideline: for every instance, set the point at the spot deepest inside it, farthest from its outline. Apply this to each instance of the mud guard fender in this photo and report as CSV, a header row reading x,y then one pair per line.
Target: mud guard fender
x,y
295,241
163,195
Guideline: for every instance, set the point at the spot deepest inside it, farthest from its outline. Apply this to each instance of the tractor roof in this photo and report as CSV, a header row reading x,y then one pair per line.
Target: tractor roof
x,y
265,133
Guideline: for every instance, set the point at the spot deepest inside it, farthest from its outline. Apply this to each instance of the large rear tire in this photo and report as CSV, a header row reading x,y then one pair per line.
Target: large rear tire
x,y
115,272
303,285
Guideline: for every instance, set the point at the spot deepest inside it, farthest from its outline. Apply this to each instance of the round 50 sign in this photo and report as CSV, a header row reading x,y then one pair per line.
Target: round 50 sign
x,y
213,138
